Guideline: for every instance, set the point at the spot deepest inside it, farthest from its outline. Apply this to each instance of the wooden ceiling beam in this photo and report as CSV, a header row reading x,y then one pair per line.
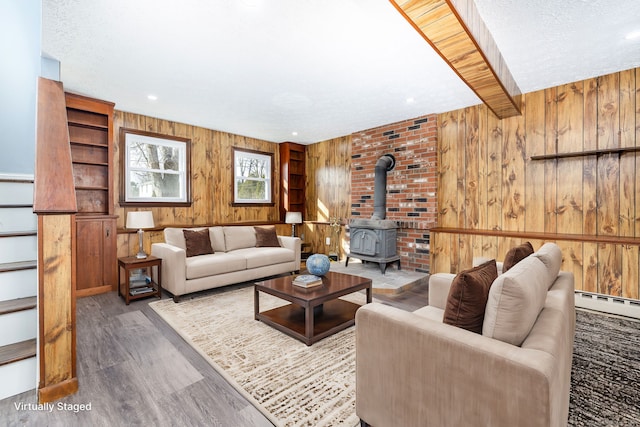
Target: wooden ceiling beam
x,y
456,31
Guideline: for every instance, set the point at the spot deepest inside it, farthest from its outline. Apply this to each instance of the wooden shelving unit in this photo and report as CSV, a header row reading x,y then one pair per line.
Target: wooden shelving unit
x,y
292,172
91,151
90,124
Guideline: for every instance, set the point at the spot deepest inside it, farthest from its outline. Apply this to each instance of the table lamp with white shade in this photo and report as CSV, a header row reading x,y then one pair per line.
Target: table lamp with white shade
x,y
140,220
293,218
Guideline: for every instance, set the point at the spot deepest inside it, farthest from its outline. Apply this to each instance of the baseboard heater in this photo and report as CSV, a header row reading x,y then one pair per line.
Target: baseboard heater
x,y
608,304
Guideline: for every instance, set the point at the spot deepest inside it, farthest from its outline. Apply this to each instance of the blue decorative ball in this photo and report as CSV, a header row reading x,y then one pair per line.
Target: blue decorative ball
x,y
318,264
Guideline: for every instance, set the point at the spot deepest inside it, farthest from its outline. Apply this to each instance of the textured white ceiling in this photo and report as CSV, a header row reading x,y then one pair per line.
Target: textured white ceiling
x,y
551,42
321,68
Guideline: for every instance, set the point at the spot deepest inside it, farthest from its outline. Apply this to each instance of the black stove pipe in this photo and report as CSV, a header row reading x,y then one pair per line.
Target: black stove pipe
x,y
384,164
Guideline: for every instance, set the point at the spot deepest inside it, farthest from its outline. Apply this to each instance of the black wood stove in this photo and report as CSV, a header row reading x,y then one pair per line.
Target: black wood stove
x,y
375,239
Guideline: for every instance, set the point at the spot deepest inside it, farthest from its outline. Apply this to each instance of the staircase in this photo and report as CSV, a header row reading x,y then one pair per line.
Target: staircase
x,y
18,286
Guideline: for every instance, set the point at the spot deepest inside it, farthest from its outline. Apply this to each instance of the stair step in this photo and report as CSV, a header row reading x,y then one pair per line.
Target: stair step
x,y
23,179
20,304
18,233
14,206
17,218
18,351
18,246
16,266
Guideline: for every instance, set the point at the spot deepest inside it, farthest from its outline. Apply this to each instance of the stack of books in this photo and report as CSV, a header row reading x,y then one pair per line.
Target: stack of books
x,y
141,290
139,283
307,281
137,280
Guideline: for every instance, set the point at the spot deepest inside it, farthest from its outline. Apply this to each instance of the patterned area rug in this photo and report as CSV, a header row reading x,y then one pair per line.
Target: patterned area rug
x,y
605,378
296,385
292,384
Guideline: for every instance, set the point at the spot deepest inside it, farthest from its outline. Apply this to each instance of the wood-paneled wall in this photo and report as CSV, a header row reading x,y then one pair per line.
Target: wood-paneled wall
x,y
589,205
328,191
211,180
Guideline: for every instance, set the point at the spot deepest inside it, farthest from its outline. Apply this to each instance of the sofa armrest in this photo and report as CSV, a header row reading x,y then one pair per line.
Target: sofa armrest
x,y
174,268
439,285
293,243
413,371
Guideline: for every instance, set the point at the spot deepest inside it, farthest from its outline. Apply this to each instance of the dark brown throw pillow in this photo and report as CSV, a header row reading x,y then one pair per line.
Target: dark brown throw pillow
x,y
468,297
197,242
515,255
266,237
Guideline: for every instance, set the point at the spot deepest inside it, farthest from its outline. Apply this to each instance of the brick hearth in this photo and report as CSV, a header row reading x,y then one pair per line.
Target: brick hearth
x,y
411,186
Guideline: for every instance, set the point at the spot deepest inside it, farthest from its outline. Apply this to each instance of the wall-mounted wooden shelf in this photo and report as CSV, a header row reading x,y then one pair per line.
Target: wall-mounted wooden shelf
x,y
586,153
89,187
89,144
89,119
89,162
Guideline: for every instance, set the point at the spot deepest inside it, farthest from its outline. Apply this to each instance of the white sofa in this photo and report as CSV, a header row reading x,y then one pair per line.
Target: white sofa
x,y
414,370
235,259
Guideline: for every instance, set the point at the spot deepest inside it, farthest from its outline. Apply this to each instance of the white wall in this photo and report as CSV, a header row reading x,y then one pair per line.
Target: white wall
x,y
20,45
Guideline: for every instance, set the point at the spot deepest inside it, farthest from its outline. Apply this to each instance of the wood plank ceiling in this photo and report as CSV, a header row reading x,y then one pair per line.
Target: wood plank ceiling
x,y
456,31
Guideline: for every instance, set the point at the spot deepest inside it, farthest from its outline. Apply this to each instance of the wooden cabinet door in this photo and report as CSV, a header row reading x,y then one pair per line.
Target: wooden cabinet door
x,y
110,258
96,267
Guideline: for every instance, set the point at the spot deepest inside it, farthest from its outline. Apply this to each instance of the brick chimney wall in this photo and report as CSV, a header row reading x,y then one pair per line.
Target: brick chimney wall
x,y
411,185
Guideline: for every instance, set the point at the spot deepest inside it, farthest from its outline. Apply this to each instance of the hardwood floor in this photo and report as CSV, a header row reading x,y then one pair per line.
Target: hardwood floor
x,y
409,300
133,369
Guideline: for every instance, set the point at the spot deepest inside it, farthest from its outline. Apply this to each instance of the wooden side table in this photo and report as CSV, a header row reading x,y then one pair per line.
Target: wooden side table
x,y
141,285
305,251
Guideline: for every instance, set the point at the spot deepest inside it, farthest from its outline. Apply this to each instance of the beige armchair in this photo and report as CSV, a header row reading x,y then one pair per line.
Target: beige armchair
x,y
414,370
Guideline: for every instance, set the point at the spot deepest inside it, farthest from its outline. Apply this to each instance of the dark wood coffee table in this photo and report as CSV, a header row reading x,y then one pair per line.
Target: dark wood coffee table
x,y
314,313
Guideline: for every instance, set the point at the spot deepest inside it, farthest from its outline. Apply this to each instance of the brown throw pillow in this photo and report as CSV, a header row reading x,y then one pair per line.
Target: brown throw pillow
x,y
266,237
515,255
468,297
197,242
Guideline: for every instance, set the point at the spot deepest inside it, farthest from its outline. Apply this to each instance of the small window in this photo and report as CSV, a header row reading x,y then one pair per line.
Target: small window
x,y
156,169
252,177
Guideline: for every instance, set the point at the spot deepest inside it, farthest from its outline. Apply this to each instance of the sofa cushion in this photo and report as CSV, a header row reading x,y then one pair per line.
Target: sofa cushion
x,y
439,287
482,259
551,256
210,265
266,236
238,237
515,255
217,239
430,312
468,297
515,300
197,242
259,257
175,237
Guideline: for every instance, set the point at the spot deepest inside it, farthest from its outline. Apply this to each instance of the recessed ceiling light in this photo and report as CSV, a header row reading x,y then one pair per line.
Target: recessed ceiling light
x,y
152,97
411,100
294,133
633,35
